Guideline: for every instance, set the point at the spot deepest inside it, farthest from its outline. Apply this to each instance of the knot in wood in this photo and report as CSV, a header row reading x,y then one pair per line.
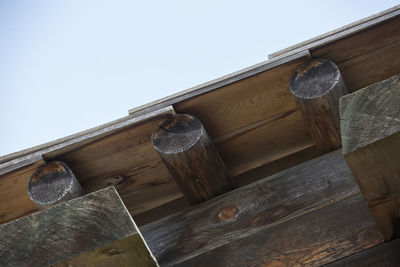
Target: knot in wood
x,y
228,213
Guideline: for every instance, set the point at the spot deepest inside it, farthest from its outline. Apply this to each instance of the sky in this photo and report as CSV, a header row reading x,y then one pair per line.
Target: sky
x,y
67,66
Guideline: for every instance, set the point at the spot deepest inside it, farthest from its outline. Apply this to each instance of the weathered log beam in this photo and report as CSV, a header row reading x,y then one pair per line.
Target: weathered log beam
x,y
66,230
385,255
370,123
316,88
261,209
53,183
191,158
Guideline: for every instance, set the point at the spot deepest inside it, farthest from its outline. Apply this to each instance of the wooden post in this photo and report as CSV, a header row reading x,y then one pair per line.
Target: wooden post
x,y
370,123
53,183
93,230
316,88
191,158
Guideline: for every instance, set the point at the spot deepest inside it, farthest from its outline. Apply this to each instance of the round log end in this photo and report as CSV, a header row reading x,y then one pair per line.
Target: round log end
x,y
177,134
53,183
315,79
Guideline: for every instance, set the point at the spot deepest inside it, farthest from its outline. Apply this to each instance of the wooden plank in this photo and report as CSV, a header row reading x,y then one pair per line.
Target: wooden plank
x,y
218,83
261,205
68,229
129,251
340,33
314,239
14,199
255,100
371,67
19,159
383,255
264,143
364,42
370,124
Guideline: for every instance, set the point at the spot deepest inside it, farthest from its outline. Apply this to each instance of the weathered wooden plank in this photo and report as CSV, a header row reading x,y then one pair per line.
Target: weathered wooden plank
x,y
371,67
383,255
254,100
316,88
370,124
19,159
218,83
265,143
191,158
251,208
340,33
66,230
364,42
14,199
314,239
129,251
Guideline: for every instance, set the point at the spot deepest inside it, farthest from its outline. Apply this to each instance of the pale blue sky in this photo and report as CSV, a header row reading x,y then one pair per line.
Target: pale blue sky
x,y
66,66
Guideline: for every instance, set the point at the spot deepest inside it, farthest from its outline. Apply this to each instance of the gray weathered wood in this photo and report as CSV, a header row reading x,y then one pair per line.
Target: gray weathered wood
x,y
370,123
383,255
249,209
191,158
316,88
314,239
66,230
53,183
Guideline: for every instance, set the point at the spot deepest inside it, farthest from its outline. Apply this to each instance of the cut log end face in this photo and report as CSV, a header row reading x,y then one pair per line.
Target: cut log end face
x,y
53,183
315,79
177,134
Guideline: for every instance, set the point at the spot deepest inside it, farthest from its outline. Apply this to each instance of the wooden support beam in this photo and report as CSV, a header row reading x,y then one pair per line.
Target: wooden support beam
x,y
316,88
53,183
191,158
264,221
384,255
66,230
370,123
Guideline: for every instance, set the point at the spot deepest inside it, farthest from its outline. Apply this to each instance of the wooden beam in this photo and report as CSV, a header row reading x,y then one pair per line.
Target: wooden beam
x,y
53,183
314,239
316,88
68,229
386,254
191,158
370,123
243,213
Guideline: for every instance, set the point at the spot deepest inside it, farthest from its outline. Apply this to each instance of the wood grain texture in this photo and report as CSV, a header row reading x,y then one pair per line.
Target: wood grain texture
x,y
370,123
249,209
314,239
341,33
66,230
383,255
128,161
192,159
53,183
265,143
28,156
129,251
14,199
316,88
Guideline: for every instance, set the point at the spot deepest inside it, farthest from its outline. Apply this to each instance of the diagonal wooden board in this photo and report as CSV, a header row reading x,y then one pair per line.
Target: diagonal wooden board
x,y
316,200
72,228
